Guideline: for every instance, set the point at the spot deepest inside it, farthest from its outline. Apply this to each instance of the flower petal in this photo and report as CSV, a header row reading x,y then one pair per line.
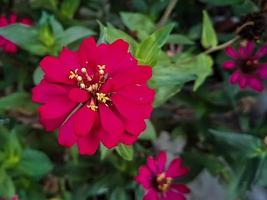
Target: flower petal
x,y
243,81
262,71
66,135
89,144
69,58
152,165
55,71
110,122
255,84
78,95
151,195
135,127
172,195
235,77
108,139
261,52
88,52
46,91
53,114
176,169
161,161
84,121
229,65
130,110
144,177
128,138
180,188
139,94
231,52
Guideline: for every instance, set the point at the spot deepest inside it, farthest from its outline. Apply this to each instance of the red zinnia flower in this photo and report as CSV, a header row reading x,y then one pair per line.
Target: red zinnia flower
x,y
249,71
7,45
96,94
159,181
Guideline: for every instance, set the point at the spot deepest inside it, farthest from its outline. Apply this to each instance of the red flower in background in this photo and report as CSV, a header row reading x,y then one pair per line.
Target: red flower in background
x,y
96,94
7,45
249,71
15,197
159,181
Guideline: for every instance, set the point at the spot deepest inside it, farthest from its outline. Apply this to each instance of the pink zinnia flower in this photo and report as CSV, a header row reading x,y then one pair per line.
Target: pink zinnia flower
x,y
96,94
7,45
159,181
249,72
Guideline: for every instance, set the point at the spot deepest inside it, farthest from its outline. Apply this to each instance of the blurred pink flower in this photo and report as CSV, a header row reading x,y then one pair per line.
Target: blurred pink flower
x,y
15,197
5,44
159,181
96,94
248,71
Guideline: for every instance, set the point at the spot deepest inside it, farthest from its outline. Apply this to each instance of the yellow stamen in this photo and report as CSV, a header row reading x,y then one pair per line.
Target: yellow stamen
x,y
102,97
92,106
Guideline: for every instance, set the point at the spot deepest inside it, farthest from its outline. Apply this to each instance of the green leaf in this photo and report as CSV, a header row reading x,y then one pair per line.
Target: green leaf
x,y
119,194
34,163
244,145
126,152
168,79
245,176
148,50
222,2
15,100
68,8
138,23
25,37
37,75
110,34
149,133
208,37
47,4
57,28
104,152
73,34
7,188
180,39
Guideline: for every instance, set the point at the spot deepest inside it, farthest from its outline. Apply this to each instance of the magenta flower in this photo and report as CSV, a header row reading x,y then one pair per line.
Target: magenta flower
x,y
159,182
249,71
98,94
5,44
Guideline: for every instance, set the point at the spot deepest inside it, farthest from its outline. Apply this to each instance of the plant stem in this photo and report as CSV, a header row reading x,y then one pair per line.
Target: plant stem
x,y
221,46
167,13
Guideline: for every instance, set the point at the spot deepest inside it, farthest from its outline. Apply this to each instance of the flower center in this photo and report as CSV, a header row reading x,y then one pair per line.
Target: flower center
x,y
162,182
248,66
92,84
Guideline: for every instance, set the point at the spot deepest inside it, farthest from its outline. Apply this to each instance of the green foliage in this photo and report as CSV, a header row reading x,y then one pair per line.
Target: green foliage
x,y
209,37
126,152
34,163
212,125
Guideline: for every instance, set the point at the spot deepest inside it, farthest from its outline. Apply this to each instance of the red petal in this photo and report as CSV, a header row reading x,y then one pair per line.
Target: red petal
x,y
55,71
108,139
161,161
78,95
45,92
53,114
66,135
175,169
139,94
84,121
88,52
180,188
69,59
151,195
110,122
130,110
89,144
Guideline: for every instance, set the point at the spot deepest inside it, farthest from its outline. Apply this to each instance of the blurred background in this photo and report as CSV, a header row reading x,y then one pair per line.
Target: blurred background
x,y
219,130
